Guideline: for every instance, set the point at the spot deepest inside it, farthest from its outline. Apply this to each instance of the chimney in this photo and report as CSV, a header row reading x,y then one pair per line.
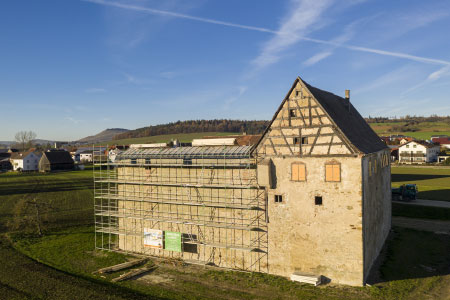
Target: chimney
x,y
347,97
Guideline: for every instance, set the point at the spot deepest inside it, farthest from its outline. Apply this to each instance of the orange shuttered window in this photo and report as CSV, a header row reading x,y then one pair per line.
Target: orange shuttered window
x,y
298,172
333,172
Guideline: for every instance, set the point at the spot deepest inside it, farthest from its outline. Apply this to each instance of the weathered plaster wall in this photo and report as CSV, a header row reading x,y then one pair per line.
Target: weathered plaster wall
x,y
377,209
319,239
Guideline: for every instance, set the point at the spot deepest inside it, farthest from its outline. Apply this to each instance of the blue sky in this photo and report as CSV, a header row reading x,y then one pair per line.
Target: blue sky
x,y
71,68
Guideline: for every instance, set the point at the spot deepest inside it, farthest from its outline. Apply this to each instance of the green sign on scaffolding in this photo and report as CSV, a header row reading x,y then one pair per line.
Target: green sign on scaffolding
x,y
172,241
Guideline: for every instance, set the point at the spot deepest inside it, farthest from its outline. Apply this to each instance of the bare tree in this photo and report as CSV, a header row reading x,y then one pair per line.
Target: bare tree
x,y
25,138
29,216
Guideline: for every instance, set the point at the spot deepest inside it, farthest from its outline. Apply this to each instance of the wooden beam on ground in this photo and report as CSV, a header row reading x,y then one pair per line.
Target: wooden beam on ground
x,y
133,273
121,266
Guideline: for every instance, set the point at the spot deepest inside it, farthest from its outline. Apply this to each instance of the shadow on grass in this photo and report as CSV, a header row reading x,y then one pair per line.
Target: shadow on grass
x,y
440,195
409,254
55,186
420,212
415,177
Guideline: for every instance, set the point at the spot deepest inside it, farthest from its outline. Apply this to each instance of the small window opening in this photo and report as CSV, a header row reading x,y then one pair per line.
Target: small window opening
x,y
292,113
297,93
303,140
318,200
187,161
278,198
147,164
133,161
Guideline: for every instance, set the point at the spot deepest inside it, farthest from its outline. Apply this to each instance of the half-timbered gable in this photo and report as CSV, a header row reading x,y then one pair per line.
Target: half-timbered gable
x,y
311,122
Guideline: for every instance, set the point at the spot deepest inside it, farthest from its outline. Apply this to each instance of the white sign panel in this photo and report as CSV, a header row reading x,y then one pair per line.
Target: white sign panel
x,y
153,238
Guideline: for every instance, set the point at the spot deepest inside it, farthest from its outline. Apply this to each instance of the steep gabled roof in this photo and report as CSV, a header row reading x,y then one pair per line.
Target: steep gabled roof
x,y
21,155
423,143
347,120
58,157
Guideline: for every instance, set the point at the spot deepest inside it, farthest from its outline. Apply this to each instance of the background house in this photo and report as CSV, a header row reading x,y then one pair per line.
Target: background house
x,y
5,164
55,160
86,156
418,152
25,161
442,140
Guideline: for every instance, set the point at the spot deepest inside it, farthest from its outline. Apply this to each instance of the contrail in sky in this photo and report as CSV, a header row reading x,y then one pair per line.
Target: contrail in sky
x,y
266,30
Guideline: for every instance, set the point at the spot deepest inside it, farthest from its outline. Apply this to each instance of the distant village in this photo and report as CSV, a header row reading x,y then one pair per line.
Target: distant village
x,y
63,156
408,150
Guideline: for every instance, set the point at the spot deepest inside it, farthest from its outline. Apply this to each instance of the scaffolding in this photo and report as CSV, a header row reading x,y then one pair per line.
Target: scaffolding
x,y
209,195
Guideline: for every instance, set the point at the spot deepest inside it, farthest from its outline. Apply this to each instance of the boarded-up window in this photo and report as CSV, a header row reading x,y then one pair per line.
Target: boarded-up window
x,y
298,172
333,172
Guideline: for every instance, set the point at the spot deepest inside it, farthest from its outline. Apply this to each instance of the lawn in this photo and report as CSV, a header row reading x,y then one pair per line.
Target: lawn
x,y
420,212
67,247
433,182
412,269
165,138
67,196
426,129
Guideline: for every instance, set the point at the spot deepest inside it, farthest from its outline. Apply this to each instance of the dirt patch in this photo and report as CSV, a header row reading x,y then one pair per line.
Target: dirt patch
x,y
96,253
157,278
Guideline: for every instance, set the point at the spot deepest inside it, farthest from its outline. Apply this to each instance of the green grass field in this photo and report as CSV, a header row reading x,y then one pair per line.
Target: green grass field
x,y
59,265
426,129
406,273
68,195
165,138
433,182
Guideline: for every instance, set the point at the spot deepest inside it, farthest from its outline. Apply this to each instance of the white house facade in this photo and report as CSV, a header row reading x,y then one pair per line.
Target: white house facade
x,y
416,152
86,156
25,161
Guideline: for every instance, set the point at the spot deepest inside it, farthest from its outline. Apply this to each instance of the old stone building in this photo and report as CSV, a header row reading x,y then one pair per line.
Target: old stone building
x,y
312,195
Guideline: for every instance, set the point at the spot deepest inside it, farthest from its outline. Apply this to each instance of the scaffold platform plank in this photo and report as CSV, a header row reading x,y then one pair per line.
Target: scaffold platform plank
x,y
205,203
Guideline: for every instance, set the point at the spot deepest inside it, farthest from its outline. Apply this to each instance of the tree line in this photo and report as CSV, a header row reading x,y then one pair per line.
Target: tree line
x,y
195,126
409,119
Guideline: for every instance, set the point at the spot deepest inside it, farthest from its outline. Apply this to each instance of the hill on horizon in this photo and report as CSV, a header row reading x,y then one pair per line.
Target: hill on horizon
x,y
104,136
197,126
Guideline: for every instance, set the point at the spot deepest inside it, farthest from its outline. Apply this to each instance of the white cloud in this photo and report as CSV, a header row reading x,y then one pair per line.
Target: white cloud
x,y
303,14
388,79
289,33
432,77
317,57
73,120
137,80
342,38
439,73
228,102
